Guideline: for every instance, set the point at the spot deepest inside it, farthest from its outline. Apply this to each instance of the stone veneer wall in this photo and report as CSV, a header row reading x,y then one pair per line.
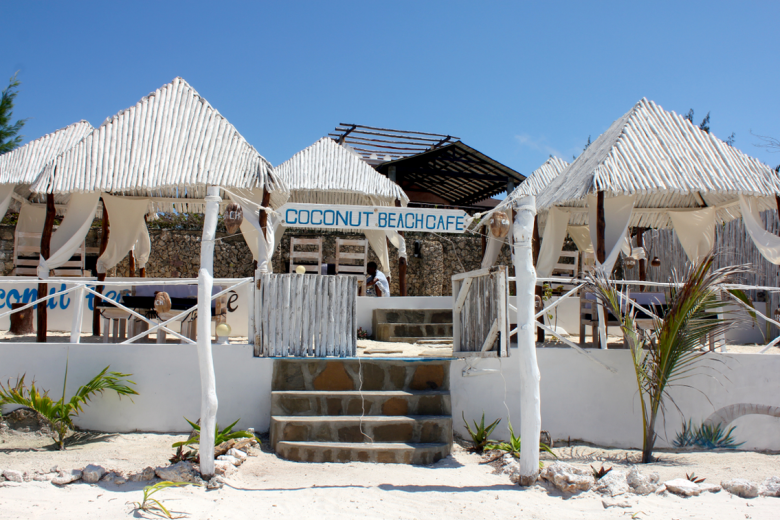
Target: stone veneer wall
x,y
176,254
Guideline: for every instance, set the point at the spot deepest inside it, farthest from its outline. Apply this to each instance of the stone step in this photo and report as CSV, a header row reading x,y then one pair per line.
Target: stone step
x,y
412,316
385,452
389,331
345,374
435,341
367,429
350,402
419,342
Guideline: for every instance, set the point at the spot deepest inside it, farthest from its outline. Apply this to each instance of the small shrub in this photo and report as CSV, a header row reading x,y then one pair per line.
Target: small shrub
x,y
152,505
362,334
220,436
705,436
693,478
513,446
480,435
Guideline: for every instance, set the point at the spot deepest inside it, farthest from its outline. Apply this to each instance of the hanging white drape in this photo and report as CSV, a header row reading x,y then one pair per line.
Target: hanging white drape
x,y
398,241
696,232
142,248
492,249
6,192
581,237
377,239
767,243
72,231
126,217
262,247
31,219
617,212
552,241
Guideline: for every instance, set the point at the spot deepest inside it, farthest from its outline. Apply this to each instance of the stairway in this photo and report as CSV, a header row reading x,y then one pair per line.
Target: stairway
x,y
411,325
316,410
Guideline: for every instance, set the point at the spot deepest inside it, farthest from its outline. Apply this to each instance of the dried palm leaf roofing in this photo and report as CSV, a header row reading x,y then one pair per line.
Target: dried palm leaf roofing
x,y
171,143
666,161
329,173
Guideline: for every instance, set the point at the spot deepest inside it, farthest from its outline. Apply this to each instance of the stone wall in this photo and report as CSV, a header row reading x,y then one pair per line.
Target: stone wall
x,y
176,254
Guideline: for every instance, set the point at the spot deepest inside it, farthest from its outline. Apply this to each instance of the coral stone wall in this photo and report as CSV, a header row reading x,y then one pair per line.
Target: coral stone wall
x,y
176,254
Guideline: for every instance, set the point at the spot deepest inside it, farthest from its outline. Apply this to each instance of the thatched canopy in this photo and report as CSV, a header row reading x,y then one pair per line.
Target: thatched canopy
x,y
329,173
668,162
172,144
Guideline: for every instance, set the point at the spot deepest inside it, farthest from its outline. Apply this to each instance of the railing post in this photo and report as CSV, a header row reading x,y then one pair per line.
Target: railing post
x,y
209,403
78,315
525,283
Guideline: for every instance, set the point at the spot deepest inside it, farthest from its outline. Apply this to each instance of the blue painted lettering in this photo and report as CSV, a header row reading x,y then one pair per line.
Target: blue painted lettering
x,y
459,224
428,222
332,217
294,219
341,216
301,213
382,219
360,218
391,219
440,224
418,221
312,217
448,221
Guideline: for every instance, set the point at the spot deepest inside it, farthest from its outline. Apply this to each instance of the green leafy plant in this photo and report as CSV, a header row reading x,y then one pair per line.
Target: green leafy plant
x,y
362,334
61,413
480,435
598,473
513,446
693,478
153,505
707,436
220,436
695,311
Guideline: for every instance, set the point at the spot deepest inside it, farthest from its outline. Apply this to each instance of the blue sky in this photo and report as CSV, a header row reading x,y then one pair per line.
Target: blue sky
x,y
516,80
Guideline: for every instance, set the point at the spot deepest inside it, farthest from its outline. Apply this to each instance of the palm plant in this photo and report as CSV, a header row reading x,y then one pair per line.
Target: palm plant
x,y
695,311
480,435
61,413
513,446
220,436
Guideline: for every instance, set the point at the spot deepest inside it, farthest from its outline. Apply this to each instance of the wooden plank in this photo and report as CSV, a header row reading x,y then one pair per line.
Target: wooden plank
x,y
297,315
462,294
455,316
273,306
491,337
331,315
322,325
341,336
305,297
287,309
353,292
471,274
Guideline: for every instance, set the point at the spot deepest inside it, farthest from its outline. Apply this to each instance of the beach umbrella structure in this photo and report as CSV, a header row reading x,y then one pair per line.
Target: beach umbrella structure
x,y
171,151
19,169
333,174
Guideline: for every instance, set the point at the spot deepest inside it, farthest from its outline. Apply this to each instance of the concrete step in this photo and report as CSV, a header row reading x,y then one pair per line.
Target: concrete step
x,y
417,341
390,331
390,452
367,429
350,402
412,316
332,375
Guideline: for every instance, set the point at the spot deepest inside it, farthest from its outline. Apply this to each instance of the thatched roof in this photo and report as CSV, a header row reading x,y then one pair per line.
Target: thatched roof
x,y
668,162
171,143
329,173
23,165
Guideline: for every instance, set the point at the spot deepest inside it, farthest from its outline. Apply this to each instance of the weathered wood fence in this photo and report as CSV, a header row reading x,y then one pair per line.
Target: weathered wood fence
x,y
480,318
307,315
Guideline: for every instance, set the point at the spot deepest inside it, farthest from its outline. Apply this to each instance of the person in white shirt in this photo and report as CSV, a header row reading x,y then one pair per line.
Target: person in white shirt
x,y
377,280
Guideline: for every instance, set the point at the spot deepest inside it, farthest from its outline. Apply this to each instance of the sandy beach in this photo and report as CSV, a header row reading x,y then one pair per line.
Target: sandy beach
x,y
460,486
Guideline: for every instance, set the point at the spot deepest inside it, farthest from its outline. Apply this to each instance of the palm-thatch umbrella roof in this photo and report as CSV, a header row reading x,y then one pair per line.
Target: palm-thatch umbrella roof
x,y
668,163
329,173
172,144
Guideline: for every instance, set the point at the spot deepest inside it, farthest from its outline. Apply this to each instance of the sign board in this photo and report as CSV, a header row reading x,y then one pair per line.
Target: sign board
x,y
384,218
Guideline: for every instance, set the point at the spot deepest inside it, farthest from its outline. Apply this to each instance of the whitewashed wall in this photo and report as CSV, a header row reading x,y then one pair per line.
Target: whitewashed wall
x,y
61,308
582,400
167,381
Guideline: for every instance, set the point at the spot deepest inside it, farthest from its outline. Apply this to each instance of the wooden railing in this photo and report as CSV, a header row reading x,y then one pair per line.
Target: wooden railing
x,y
480,321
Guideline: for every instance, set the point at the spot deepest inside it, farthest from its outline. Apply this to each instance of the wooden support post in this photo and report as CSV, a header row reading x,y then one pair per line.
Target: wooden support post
x,y
402,262
208,389
530,393
640,242
601,227
263,214
536,246
483,234
104,232
131,264
43,288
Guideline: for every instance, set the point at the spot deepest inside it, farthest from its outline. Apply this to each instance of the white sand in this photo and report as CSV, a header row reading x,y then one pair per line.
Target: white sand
x,y
457,487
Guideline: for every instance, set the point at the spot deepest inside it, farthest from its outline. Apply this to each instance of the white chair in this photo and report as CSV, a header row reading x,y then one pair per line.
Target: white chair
x,y
308,256
27,252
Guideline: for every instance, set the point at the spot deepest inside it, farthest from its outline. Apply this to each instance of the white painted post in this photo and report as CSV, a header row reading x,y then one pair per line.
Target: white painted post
x,y
78,314
530,399
208,390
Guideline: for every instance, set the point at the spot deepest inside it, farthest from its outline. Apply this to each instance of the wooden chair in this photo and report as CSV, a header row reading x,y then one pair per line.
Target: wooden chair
x,y
27,253
588,262
359,267
308,256
566,271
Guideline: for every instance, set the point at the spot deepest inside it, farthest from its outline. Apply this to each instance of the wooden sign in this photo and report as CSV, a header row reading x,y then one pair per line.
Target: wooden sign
x,y
321,216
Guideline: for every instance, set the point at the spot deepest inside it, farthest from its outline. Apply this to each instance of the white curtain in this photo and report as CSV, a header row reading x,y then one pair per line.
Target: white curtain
x,y
493,249
6,192
142,248
398,241
31,219
552,241
767,243
581,237
262,247
617,212
127,225
377,239
696,232
71,233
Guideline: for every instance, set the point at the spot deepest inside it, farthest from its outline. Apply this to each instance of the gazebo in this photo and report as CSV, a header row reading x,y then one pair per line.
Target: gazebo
x,y
333,174
172,151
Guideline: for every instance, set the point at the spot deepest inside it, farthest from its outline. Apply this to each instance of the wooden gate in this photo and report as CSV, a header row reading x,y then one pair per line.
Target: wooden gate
x,y
304,315
480,319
